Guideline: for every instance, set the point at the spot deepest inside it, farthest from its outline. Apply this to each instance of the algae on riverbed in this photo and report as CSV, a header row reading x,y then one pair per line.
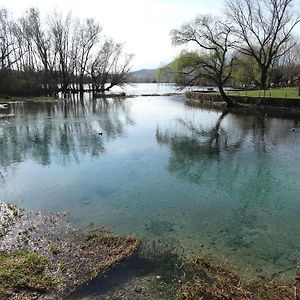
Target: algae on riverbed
x,y
42,256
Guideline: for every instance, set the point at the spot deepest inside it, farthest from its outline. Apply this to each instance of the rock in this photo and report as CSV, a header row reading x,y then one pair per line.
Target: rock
x,y
138,289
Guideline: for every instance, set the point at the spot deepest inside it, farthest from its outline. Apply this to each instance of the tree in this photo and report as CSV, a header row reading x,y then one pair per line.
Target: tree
x,y
109,68
40,43
263,29
58,54
8,45
60,28
85,38
213,61
245,71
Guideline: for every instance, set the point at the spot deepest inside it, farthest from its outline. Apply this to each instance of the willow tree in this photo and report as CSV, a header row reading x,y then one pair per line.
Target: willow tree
x,y
213,59
263,29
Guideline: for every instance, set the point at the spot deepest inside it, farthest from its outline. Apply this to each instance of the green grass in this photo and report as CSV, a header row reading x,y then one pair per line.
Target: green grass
x,y
288,93
23,270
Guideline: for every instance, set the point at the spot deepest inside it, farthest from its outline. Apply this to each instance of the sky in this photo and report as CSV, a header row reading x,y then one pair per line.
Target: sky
x,y
142,25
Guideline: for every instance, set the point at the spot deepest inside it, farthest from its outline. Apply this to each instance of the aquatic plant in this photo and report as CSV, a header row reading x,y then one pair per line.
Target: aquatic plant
x,y
212,282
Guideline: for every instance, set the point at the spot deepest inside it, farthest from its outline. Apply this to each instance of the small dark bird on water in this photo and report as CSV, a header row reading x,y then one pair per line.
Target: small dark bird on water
x,y
100,133
293,129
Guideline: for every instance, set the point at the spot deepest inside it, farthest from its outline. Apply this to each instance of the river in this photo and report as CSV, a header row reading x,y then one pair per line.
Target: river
x,y
226,185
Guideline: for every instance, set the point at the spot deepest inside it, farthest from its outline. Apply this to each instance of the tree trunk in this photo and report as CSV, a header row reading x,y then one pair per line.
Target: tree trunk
x,y
263,77
228,100
81,90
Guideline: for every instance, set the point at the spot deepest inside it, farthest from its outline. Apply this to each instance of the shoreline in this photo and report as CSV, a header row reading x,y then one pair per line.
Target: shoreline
x,y
268,106
44,257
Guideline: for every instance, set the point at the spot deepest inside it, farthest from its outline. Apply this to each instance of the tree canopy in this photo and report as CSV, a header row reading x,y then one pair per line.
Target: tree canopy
x,y
214,59
263,30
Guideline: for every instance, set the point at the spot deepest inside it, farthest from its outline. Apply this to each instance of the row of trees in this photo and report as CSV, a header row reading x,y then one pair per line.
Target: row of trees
x,y
252,41
59,53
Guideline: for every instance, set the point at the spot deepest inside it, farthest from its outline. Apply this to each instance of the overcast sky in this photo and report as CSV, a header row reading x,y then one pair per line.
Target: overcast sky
x,y
142,25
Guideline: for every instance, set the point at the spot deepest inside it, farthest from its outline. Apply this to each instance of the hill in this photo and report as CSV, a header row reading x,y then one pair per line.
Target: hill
x,y
143,75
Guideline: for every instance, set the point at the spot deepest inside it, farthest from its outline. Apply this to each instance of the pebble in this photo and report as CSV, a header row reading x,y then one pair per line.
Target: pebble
x,y
137,289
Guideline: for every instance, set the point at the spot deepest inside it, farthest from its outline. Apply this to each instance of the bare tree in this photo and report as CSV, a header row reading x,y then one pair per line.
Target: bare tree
x,y
60,27
39,41
263,29
49,55
8,45
110,67
87,37
213,38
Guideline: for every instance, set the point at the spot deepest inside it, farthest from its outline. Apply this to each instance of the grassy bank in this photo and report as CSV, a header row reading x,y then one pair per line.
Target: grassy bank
x,y
23,270
42,256
284,93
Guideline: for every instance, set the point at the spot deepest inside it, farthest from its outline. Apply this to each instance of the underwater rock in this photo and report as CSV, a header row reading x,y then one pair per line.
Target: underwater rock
x,y
44,257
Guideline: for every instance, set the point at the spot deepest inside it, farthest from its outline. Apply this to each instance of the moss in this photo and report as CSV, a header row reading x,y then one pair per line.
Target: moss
x,y
54,249
24,270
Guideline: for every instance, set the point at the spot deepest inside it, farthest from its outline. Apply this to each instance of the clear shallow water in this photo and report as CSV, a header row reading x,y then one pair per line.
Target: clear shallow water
x,y
224,185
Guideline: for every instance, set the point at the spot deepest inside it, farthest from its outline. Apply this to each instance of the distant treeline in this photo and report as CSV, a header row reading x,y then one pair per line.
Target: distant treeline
x,y
60,53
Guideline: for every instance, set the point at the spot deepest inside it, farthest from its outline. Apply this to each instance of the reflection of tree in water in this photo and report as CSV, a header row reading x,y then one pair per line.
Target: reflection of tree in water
x,y
231,160
194,149
63,130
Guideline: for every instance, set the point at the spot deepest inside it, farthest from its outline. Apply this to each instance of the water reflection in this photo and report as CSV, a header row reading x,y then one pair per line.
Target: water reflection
x,y
245,166
64,131
161,170
194,149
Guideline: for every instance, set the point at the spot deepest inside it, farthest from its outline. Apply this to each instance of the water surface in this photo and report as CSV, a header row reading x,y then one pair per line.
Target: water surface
x,y
226,185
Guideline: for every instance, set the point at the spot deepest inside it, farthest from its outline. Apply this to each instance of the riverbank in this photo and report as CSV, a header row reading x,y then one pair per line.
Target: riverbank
x,y
44,257
7,99
160,273
272,106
